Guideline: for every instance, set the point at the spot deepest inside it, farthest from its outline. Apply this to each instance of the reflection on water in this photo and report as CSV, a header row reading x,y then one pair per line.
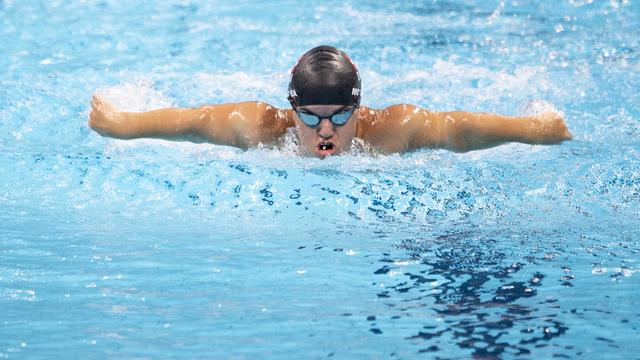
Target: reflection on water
x,y
479,295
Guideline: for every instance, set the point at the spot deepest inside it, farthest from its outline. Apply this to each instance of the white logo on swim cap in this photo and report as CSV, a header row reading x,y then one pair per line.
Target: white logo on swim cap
x,y
355,92
292,93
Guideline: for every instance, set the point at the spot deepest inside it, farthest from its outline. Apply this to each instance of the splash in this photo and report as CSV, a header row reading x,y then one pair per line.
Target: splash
x,y
537,107
139,95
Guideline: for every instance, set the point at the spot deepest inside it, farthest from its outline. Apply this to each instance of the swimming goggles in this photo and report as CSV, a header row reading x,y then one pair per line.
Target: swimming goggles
x,y
338,118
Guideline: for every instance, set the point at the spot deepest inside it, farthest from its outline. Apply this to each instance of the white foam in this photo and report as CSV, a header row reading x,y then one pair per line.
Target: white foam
x,y
135,96
448,83
537,107
240,86
496,13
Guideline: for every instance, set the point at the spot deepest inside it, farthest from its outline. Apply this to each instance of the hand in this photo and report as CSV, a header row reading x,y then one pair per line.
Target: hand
x,y
550,128
104,117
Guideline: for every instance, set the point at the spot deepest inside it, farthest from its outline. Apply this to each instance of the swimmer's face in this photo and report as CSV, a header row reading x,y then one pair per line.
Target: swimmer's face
x,y
326,138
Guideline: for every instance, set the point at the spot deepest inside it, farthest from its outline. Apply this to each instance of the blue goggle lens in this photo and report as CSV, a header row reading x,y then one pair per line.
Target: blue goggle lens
x,y
339,118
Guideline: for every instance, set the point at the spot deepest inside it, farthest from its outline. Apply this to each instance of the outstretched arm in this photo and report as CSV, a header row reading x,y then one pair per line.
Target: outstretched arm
x,y
465,131
241,125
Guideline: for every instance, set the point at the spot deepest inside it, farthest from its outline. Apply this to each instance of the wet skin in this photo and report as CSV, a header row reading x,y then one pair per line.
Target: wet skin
x,y
394,129
326,138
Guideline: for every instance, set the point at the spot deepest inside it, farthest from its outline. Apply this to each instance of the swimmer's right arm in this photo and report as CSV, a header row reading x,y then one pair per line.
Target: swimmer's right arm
x,y
241,125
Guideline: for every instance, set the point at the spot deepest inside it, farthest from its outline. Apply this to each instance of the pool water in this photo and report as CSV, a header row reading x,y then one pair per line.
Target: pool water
x,y
152,249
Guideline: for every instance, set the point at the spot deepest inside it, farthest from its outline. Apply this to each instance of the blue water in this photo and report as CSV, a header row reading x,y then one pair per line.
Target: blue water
x,y
150,249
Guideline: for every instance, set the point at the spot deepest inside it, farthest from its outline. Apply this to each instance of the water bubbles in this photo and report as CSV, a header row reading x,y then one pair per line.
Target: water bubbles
x,y
135,96
19,294
537,107
496,13
615,4
579,3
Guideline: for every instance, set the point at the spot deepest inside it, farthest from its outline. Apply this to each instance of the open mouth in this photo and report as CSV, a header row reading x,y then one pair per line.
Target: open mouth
x,y
325,148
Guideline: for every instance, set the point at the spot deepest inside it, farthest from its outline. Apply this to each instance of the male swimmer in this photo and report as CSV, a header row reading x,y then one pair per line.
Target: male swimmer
x,y
324,93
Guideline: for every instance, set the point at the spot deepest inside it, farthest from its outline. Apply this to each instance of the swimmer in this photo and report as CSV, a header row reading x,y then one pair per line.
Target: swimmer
x,y
324,93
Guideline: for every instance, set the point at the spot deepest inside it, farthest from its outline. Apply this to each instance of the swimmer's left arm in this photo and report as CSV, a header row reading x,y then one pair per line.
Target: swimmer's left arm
x,y
466,131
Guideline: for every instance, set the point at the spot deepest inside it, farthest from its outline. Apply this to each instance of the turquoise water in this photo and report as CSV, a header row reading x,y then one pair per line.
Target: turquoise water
x,y
150,249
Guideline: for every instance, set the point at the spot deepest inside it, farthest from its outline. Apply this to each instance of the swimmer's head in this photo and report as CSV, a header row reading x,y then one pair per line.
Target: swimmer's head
x,y
325,93
324,75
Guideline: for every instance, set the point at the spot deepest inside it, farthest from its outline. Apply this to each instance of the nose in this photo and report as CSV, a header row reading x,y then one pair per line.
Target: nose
x,y
325,129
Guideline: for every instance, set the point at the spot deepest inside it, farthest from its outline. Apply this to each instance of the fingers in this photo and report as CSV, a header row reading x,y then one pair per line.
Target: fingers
x,y
96,115
562,129
567,134
553,128
96,103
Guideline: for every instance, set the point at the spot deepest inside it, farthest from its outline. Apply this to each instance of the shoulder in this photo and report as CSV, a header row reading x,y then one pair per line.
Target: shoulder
x,y
271,122
384,128
393,128
257,112
251,122
391,114
271,116
391,117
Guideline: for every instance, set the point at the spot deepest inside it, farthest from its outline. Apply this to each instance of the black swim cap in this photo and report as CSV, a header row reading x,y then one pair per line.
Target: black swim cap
x,y
324,75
